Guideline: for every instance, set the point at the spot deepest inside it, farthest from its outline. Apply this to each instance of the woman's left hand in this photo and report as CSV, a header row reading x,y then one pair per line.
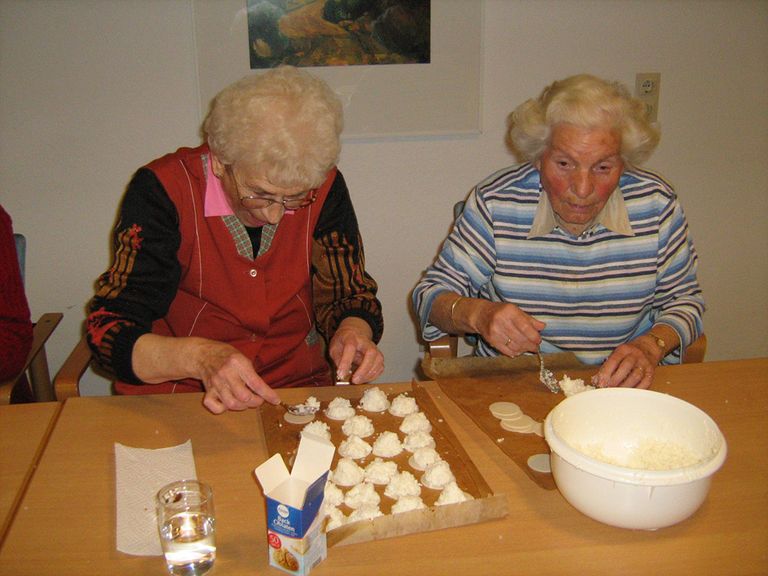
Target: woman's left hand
x,y
631,365
351,346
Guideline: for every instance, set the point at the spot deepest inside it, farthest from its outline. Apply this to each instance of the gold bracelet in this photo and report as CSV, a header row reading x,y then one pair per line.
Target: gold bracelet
x,y
453,307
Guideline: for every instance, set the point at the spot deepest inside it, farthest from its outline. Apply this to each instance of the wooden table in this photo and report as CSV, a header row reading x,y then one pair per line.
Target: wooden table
x,y
66,524
24,431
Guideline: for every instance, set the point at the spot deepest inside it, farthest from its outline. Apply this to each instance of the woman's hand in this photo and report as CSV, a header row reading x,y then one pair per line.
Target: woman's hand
x,y
352,345
229,379
631,365
504,326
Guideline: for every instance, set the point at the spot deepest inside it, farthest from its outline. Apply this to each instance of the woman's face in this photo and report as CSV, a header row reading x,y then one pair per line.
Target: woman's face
x,y
579,170
239,182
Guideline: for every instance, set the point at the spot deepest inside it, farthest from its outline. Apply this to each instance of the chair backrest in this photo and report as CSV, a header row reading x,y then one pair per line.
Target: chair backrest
x,y
21,252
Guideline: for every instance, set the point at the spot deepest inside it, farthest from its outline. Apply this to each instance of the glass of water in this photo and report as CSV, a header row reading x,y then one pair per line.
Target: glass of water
x,y
187,524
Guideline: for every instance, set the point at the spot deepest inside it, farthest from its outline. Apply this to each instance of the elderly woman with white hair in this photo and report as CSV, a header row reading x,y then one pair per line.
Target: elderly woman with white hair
x,y
578,249
239,266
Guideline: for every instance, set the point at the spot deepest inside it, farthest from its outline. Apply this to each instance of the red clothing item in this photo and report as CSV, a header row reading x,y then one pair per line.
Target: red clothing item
x,y
263,307
15,322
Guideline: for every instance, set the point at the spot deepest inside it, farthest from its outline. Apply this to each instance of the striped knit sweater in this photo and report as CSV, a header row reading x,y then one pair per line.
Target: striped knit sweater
x,y
594,291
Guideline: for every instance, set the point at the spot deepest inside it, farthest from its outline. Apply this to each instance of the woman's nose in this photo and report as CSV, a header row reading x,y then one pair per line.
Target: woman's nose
x,y
274,212
581,185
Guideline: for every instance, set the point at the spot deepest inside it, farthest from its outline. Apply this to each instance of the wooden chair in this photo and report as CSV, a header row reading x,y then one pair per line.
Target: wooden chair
x,y
441,359
67,379
35,370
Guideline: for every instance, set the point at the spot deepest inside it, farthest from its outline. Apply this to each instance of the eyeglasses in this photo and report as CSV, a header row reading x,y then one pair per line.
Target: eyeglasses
x,y
258,201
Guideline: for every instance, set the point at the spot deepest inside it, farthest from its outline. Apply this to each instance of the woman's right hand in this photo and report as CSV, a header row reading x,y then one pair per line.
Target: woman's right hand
x,y
229,379
504,326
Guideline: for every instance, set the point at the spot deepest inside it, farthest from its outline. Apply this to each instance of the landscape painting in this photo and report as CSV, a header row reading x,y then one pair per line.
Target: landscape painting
x,y
338,32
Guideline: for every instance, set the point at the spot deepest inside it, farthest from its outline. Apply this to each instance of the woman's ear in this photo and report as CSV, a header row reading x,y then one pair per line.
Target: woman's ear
x,y
218,166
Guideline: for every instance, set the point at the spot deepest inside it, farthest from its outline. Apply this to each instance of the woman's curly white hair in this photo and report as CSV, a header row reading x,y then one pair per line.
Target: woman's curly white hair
x,y
588,102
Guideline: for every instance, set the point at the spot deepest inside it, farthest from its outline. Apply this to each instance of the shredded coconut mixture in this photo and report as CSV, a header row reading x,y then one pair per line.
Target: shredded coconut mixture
x,y
380,472
416,422
355,448
348,473
403,405
408,503
374,400
318,428
387,445
438,475
418,440
402,484
573,386
649,454
339,409
358,426
452,494
363,493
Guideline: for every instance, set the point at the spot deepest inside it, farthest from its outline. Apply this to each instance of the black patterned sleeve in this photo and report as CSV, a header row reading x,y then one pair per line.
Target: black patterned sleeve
x,y
341,286
142,281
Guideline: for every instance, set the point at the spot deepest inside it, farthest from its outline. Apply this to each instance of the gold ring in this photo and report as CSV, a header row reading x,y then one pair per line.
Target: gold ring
x,y
508,341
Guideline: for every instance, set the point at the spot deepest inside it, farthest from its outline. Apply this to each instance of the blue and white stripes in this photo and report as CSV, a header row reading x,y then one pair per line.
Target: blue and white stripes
x,y
594,292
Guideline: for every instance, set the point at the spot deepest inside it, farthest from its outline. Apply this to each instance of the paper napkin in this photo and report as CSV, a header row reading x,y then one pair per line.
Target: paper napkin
x,y
139,474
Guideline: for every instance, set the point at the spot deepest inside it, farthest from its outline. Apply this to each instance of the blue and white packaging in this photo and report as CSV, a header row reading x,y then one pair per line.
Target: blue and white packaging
x,y
295,539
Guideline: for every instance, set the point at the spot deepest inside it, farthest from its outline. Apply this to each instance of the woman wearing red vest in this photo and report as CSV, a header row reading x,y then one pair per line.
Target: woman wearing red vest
x,y
238,264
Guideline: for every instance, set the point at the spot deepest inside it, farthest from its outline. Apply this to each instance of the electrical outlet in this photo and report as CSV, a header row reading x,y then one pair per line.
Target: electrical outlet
x,y
647,88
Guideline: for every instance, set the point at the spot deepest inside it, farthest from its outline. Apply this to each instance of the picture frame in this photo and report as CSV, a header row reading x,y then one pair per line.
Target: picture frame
x,y
440,98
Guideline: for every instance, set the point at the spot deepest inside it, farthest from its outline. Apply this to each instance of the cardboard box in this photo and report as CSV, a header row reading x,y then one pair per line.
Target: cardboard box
x,y
295,539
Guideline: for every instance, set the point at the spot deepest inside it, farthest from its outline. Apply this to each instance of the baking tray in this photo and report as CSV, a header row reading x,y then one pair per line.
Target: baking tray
x,y
519,384
283,438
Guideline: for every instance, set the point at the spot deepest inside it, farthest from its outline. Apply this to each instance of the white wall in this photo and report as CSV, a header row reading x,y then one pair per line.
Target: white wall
x,y
90,90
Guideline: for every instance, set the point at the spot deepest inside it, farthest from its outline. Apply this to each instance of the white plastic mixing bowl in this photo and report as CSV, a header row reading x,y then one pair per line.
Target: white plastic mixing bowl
x,y
597,439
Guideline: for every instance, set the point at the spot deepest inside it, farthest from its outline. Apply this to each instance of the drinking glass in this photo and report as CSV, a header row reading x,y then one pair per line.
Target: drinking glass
x,y
187,524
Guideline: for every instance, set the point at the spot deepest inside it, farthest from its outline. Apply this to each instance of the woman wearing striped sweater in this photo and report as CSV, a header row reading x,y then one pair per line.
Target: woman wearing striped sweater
x,y
578,249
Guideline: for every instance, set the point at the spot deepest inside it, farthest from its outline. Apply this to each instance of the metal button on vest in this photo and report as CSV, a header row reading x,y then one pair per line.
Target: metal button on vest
x,y
253,272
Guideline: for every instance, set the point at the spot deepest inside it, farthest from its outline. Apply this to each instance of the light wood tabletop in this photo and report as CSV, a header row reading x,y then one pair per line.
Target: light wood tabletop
x,y
66,522
24,431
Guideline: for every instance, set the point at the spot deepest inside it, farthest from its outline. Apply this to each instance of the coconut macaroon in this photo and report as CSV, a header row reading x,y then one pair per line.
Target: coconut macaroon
x,y
365,512
374,400
363,493
416,422
347,473
423,457
418,440
318,428
380,471
403,405
336,518
452,494
437,475
333,496
402,484
408,503
358,426
339,409
387,445
355,448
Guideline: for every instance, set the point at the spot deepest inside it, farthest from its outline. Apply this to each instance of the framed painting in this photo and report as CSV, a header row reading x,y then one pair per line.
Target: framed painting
x,y
435,96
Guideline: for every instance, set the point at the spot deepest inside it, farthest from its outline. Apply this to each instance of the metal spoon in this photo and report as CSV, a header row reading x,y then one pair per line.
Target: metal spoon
x,y
546,376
